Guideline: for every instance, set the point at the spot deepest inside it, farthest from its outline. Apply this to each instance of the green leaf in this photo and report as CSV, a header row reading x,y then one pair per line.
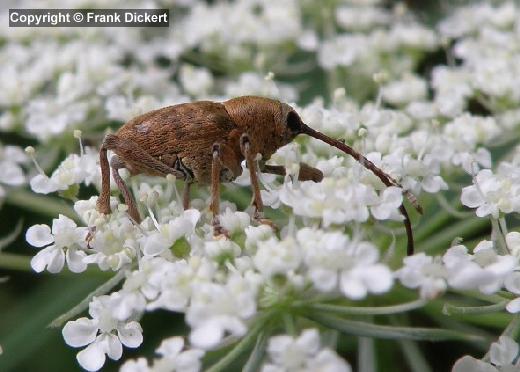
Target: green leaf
x,y
359,328
83,305
22,327
256,358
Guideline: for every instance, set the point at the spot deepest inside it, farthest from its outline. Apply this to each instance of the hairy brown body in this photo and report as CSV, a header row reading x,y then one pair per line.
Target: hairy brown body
x,y
206,142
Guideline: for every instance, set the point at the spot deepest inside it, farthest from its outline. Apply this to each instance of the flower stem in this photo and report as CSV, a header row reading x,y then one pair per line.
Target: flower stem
x,y
360,328
449,309
18,262
366,310
83,305
39,203
242,346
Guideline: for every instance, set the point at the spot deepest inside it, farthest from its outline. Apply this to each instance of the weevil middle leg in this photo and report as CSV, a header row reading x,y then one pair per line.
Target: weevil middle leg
x,y
214,207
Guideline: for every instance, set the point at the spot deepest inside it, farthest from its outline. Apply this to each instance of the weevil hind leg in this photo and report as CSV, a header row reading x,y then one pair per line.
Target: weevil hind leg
x,y
141,161
258,214
216,166
116,164
103,202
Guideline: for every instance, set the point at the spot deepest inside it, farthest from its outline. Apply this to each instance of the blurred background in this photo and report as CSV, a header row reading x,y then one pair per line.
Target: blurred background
x,y
55,80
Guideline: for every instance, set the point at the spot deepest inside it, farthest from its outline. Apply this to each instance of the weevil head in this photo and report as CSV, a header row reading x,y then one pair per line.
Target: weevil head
x,y
271,124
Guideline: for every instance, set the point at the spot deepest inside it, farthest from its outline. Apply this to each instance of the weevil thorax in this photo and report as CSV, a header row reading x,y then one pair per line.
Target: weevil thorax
x,y
265,120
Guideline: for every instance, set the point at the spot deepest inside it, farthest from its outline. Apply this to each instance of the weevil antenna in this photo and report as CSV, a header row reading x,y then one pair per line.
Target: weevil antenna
x,y
385,178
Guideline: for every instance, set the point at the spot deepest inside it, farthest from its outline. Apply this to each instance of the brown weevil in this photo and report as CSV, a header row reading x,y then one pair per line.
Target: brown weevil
x,y
206,142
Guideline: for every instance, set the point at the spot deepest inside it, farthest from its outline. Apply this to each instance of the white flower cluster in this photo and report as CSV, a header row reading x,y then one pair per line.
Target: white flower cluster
x,y
503,357
11,160
484,271
423,129
487,44
172,358
495,193
303,353
173,263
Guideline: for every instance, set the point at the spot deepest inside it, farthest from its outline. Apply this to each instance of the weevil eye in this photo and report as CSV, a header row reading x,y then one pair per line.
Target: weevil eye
x,y
294,122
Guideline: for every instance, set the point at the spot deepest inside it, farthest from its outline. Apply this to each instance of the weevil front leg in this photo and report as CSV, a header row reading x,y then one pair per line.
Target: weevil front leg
x,y
258,216
216,166
307,173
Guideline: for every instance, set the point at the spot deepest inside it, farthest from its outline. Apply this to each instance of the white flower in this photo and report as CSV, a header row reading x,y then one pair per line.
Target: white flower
x,y
172,358
303,353
250,83
175,283
411,88
491,194
114,244
64,244
423,272
159,241
502,355
74,169
196,81
512,284
11,159
485,270
103,334
364,274
217,309
390,200
277,257
234,222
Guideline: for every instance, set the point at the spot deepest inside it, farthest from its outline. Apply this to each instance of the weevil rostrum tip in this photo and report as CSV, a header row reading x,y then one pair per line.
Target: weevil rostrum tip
x,y
206,142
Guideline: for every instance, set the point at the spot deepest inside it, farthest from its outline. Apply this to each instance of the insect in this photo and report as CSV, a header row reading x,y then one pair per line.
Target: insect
x,y
205,142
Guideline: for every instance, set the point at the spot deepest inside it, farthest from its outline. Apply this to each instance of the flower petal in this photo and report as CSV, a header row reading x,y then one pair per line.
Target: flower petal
x,y
131,334
75,261
514,306
39,236
470,364
80,332
92,358
206,336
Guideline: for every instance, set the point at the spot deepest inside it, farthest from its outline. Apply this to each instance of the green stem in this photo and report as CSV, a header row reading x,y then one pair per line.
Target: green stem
x,y
83,305
366,329
467,310
10,261
367,357
441,241
498,237
242,346
11,237
40,203
366,310
447,206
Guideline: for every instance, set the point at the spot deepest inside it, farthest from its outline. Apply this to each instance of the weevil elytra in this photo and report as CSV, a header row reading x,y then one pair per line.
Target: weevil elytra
x,y
206,142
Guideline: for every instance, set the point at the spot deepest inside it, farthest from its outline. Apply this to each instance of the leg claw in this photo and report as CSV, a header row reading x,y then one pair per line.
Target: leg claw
x,y
219,233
